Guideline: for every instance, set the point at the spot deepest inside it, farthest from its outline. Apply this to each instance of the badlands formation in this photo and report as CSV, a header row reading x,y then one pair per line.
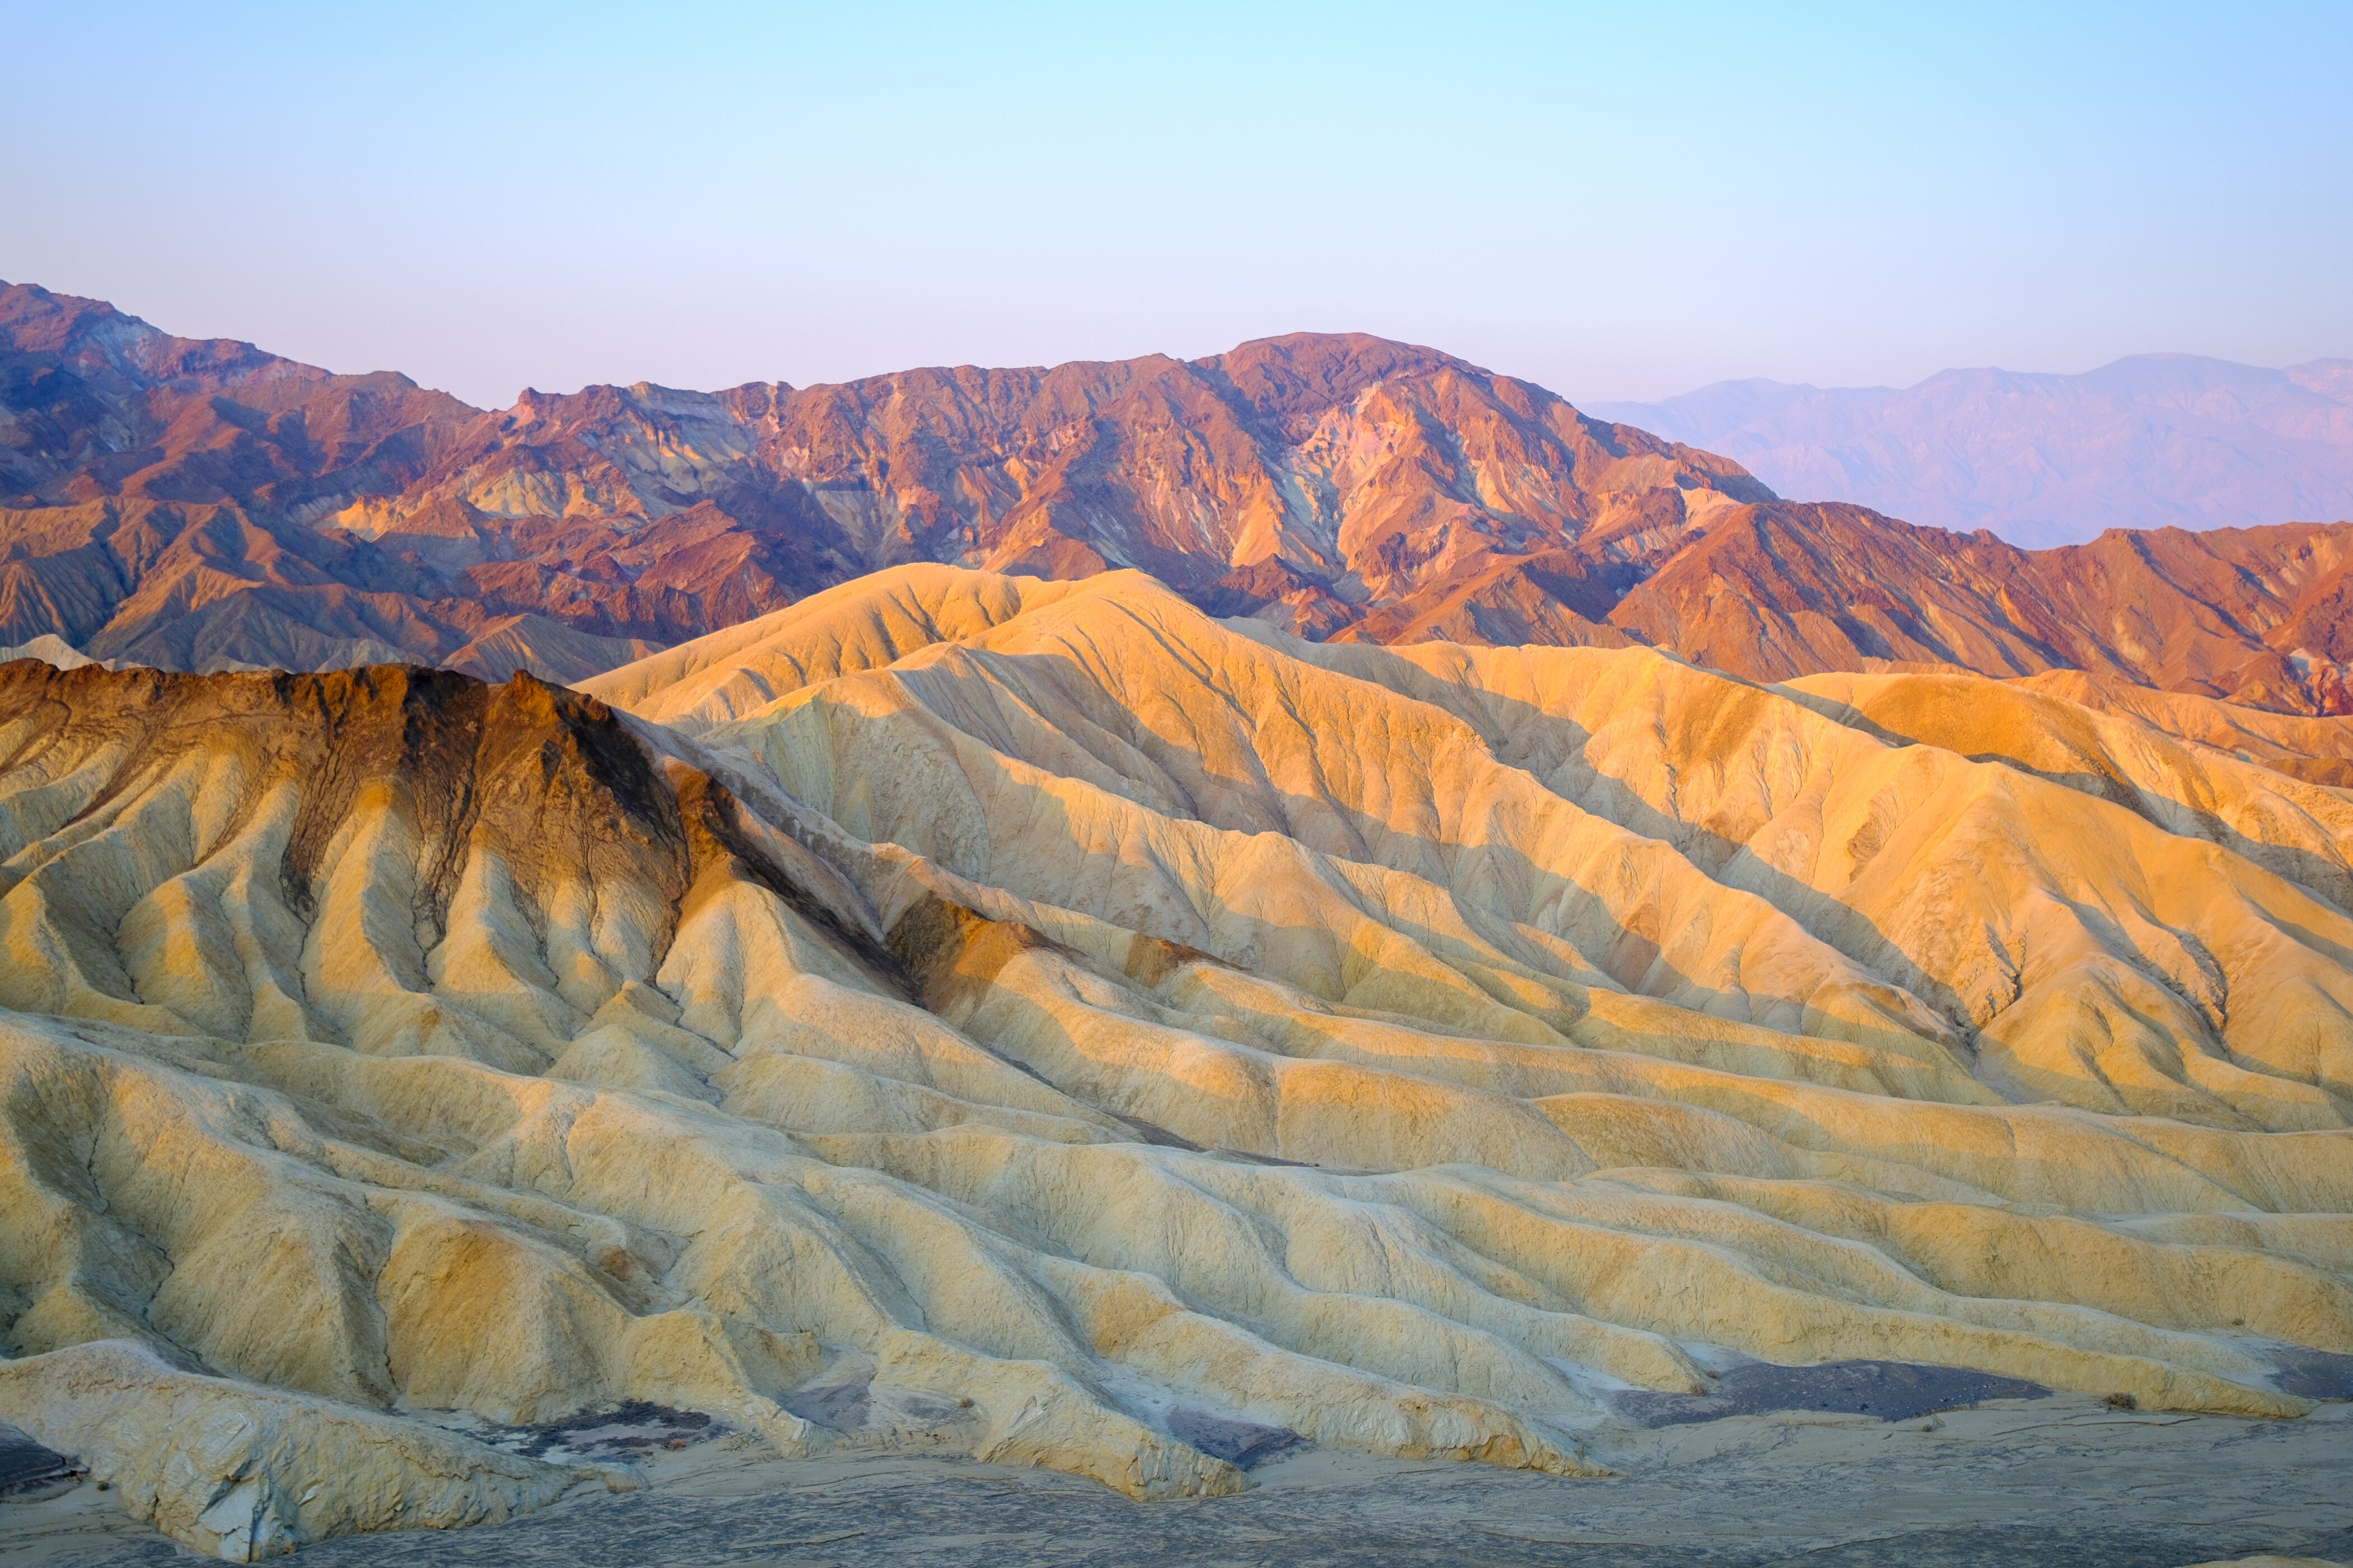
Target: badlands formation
x,y
1034,1020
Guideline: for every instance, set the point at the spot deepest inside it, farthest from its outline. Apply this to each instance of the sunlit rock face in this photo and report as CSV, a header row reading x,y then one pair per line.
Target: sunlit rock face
x,y
1035,1020
208,506
201,505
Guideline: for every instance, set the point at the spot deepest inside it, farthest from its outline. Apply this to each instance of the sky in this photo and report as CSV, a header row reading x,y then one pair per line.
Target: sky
x,y
1617,202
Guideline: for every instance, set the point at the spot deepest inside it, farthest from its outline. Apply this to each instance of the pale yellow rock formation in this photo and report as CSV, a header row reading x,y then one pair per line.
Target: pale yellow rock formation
x,y
1042,1008
243,1473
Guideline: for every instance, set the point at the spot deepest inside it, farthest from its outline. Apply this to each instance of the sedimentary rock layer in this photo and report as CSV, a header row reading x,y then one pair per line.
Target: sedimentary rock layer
x,y
1037,1020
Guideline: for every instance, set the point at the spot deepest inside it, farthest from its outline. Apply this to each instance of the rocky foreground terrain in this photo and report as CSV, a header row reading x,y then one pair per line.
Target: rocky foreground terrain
x,y
2056,1483
1028,1020
203,505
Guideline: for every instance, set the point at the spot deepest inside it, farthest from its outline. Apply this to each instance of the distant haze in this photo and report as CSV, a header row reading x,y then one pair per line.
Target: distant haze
x,y
2153,441
1611,201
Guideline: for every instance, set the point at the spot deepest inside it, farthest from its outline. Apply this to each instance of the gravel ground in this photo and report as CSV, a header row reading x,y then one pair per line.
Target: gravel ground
x,y
2063,1481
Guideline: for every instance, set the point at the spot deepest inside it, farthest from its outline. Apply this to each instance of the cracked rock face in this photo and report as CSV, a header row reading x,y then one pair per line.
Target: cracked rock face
x,y
1033,1020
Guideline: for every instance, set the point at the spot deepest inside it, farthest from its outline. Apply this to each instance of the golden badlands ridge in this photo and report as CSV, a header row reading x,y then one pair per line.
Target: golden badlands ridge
x,y
1031,1019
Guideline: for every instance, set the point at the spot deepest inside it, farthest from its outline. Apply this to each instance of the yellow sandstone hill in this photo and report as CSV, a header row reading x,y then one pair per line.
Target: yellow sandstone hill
x,y
1031,1018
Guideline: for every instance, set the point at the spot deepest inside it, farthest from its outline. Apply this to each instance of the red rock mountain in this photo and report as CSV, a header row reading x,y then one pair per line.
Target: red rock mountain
x,y
201,505
2257,616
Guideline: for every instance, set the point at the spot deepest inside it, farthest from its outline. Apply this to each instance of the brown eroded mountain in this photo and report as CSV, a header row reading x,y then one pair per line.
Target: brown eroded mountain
x,y
2254,616
199,505
205,505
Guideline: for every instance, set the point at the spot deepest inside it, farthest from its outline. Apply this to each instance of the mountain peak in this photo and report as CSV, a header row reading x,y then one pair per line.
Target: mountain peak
x,y
205,505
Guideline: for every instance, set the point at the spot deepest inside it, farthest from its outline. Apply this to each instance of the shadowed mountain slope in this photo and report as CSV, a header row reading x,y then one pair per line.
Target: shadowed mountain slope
x,y
1036,1020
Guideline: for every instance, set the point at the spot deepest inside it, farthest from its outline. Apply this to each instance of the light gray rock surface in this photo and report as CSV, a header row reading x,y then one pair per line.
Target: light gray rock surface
x,y
2060,1481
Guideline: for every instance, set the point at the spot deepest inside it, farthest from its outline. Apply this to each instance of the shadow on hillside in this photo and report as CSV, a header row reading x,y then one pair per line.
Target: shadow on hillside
x,y
1529,901
2330,881
1550,929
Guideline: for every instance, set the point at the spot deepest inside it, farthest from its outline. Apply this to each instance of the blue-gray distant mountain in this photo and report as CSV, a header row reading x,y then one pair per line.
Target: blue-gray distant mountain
x,y
2153,441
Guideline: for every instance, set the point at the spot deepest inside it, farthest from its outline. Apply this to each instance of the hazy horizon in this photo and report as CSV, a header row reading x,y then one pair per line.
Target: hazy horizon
x,y
1620,207
1583,402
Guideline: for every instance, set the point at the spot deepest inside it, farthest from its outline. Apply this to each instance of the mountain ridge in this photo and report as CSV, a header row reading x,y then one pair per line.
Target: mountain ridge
x,y
204,505
2045,460
654,514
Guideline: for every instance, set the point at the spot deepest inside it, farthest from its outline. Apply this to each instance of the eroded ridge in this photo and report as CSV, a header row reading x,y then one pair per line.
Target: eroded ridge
x,y
1041,1022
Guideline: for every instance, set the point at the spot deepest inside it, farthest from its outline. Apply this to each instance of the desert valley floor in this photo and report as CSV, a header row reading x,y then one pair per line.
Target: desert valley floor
x,y
1024,1052
2007,1486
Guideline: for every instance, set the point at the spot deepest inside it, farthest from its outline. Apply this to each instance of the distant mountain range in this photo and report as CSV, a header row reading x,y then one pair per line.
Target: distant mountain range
x,y
205,505
2153,441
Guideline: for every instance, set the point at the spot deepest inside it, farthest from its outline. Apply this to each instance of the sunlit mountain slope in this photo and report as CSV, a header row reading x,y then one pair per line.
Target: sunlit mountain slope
x,y
203,505
1029,1018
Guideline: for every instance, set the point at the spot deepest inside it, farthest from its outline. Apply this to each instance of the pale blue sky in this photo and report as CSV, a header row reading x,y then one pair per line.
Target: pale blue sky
x,y
1619,201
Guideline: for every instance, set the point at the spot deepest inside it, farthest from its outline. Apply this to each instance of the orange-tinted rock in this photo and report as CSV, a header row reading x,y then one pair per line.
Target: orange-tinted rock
x,y
1783,590
202,505
205,505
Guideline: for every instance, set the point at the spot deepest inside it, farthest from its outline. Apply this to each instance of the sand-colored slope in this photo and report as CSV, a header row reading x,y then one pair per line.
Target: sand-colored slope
x,y
2195,767
1009,1017
1452,798
2094,953
2319,750
863,624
